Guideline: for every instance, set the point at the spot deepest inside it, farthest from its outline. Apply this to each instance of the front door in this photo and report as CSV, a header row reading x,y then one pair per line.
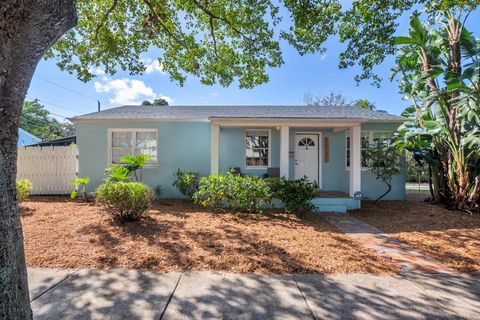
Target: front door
x,y
306,156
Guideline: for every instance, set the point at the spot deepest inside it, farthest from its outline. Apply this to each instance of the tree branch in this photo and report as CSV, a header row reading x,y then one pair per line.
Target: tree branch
x,y
159,21
214,16
105,17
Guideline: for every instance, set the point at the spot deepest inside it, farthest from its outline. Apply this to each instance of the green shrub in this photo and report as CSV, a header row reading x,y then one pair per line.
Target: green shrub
x,y
186,182
247,193
244,193
212,191
296,195
135,163
24,186
125,201
128,165
80,183
116,173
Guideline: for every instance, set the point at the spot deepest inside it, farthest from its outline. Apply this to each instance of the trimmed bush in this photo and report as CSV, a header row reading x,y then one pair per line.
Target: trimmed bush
x,y
186,182
243,193
295,194
24,186
125,201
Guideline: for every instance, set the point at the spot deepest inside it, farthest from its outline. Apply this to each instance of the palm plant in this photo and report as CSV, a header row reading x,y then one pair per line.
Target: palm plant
x,y
365,104
439,70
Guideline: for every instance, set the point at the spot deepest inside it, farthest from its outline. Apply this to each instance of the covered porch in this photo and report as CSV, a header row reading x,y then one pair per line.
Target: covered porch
x,y
294,148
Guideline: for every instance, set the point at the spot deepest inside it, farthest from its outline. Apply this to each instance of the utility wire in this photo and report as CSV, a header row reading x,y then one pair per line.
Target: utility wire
x,y
65,88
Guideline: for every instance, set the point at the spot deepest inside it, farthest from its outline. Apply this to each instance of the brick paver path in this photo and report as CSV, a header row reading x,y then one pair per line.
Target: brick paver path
x,y
386,245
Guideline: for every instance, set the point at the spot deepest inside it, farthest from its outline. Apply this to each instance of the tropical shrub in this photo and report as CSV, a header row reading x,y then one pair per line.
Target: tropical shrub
x,y
243,193
438,64
186,182
296,195
80,183
128,165
135,163
125,201
116,173
24,186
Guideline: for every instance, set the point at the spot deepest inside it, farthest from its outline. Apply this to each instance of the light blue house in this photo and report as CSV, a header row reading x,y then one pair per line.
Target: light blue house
x,y
25,138
326,144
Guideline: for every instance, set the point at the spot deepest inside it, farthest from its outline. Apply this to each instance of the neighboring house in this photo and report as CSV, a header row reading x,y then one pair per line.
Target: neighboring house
x,y
25,138
322,143
61,142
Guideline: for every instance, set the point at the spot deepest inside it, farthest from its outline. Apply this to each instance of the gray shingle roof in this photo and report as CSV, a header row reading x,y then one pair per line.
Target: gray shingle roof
x,y
256,112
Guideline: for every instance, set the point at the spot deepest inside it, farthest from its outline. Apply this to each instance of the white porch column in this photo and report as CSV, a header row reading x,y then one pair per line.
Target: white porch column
x,y
355,160
284,146
214,147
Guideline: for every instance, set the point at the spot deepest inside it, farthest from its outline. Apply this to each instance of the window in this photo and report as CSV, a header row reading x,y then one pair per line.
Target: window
x,y
367,138
306,142
257,148
133,141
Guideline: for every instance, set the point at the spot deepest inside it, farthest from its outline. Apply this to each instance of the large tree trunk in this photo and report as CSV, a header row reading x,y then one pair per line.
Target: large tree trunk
x,y
28,28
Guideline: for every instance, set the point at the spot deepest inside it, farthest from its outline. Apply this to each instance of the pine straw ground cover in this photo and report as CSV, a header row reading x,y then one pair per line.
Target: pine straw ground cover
x,y
182,236
451,237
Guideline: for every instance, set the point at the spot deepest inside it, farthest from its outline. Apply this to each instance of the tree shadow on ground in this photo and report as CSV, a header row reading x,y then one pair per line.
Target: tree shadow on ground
x,y
116,294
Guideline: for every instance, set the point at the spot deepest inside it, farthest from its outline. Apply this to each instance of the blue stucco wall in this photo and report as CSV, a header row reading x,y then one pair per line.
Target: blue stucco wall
x,y
187,146
180,145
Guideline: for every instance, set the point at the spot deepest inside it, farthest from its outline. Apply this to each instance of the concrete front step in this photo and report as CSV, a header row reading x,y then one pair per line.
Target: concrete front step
x,y
325,208
336,204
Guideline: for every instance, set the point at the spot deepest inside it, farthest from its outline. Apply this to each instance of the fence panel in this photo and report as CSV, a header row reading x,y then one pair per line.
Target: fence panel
x,y
49,169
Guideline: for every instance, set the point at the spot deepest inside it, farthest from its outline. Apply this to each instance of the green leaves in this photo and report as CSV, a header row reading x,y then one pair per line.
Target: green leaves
x,y
440,74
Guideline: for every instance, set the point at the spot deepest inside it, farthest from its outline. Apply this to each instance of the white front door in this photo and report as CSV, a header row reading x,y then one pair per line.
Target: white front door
x,y
306,156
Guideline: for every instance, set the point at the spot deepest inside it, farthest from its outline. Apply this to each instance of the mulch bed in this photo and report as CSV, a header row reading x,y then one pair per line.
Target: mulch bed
x,y
180,236
451,237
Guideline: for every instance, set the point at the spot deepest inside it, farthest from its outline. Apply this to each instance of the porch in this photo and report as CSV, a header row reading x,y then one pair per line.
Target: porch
x,y
294,148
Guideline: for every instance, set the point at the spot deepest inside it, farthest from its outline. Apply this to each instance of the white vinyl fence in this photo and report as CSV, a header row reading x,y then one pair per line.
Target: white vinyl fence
x,y
49,169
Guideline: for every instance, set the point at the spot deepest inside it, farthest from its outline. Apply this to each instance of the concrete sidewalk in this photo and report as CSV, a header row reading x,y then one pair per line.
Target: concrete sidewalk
x,y
132,294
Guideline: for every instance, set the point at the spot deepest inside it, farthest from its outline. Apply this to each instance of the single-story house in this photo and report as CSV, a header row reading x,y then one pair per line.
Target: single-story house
x,y
26,138
325,144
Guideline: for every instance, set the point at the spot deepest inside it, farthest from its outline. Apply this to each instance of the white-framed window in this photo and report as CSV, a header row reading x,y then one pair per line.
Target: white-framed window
x,y
257,148
124,142
367,138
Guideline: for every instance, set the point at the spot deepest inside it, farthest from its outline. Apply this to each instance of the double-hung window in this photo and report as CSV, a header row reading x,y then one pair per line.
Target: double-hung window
x,y
257,148
131,142
374,138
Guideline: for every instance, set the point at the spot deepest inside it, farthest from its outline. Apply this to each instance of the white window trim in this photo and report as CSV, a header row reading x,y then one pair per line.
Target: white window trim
x,y
269,148
370,140
133,130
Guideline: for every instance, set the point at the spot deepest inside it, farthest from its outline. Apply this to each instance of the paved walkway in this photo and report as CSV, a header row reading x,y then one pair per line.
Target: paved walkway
x,y
387,246
131,294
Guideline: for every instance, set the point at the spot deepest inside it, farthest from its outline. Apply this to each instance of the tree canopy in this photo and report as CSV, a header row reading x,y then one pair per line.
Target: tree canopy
x,y
38,121
155,102
220,41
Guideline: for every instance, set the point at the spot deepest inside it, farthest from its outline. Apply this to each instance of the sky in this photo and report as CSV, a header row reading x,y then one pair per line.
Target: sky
x,y
65,96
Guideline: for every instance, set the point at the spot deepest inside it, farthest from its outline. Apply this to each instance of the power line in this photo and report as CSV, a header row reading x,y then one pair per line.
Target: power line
x,y
57,105
65,88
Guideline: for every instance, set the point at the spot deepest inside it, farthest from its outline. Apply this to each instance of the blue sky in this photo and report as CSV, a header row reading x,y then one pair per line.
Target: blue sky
x,y
316,74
